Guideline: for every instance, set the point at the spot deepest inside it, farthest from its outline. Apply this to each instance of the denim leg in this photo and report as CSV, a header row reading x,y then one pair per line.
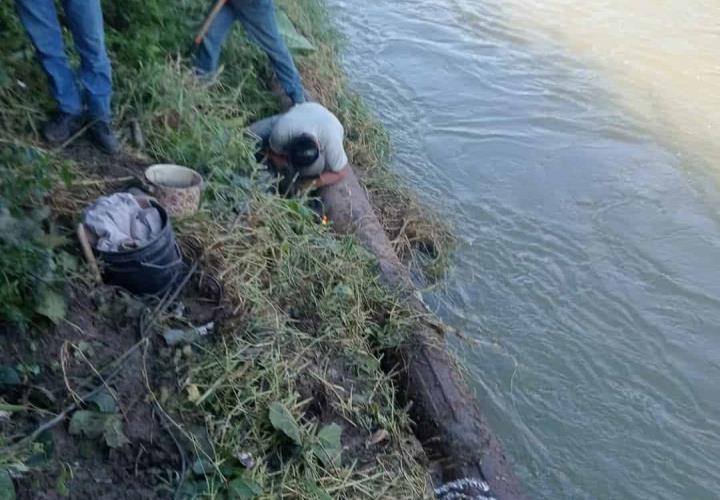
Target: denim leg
x,y
207,56
40,20
258,19
85,21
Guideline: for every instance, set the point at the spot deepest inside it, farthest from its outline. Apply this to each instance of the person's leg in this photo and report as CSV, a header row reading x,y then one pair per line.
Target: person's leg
x,y
86,24
85,21
258,19
40,20
207,56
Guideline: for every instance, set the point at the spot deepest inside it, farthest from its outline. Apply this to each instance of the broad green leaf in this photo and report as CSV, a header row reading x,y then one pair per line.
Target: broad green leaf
x,y
113,433
365,362
282,420
28,368
66,261
86,348
329,447
52,305
343,292
87,423
94,424
198,439
175,336
43,449
9,376
202,467
7,489
244,488
61,486
104,401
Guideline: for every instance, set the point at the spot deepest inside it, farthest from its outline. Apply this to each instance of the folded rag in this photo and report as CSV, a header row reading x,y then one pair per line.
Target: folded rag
x,y
120,223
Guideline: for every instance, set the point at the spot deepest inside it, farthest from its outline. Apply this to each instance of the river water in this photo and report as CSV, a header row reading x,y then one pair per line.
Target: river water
x,y
573,144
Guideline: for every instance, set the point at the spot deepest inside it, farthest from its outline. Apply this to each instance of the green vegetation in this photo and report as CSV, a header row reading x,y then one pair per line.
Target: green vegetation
x,y
314,318
291,379
32,267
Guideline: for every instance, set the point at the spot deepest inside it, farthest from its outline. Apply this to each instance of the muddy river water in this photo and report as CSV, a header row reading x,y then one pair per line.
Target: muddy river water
x,y
575,146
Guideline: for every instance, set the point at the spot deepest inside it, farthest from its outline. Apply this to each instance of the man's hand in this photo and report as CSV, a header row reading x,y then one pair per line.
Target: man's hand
x,y
329,178
279,161
324,179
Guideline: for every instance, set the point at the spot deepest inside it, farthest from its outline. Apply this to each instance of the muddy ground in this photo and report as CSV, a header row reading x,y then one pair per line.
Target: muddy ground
x,y
101,325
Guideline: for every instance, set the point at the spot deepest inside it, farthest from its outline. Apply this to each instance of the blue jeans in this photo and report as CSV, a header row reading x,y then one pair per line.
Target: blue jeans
x,y
86,25
258,19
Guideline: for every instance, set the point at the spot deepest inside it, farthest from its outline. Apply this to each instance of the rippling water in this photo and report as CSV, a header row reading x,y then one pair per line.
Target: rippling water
x,y
572,143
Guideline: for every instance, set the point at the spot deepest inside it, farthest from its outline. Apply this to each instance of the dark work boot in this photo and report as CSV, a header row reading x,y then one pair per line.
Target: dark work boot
x,y
61,127
104,137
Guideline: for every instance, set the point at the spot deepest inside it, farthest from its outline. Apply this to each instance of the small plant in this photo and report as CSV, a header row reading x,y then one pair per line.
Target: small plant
x,y
32,267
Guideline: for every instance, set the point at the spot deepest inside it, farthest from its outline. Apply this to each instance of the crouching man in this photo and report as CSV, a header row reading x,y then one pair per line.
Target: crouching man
x,y
304,146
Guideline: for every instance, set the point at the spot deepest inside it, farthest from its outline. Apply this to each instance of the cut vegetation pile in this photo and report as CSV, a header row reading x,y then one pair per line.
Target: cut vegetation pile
x,y
262,377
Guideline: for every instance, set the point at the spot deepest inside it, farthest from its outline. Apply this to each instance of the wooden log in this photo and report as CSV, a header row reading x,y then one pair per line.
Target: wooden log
x,y
447,418
89,255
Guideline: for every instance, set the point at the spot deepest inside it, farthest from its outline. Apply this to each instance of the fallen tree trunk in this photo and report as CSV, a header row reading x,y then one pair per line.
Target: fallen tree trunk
x,y
448,420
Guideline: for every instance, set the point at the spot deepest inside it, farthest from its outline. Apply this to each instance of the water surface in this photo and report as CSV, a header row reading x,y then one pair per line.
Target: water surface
x,y
573,145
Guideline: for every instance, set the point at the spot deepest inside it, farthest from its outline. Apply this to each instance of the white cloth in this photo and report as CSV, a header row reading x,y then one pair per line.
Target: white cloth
x,y
120,223
314,119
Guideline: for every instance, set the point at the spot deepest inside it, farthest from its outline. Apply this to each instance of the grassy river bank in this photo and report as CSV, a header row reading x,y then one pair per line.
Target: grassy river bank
x,y
286,396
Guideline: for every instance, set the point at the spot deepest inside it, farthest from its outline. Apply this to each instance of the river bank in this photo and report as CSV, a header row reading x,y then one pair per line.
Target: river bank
x,y
287,396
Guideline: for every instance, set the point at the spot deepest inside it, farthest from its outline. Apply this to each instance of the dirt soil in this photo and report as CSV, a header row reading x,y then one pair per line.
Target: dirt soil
x,y
102,323
90,338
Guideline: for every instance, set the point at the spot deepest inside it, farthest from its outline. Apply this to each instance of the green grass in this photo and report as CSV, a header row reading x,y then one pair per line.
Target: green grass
x,y
32,266
310,318
307,318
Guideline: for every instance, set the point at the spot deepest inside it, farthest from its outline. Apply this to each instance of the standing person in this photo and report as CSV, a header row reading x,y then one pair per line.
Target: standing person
x,y
258,19
304,144
76,105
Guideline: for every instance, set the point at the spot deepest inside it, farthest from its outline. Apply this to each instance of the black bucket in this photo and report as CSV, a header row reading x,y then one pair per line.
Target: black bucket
x,y
151,269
